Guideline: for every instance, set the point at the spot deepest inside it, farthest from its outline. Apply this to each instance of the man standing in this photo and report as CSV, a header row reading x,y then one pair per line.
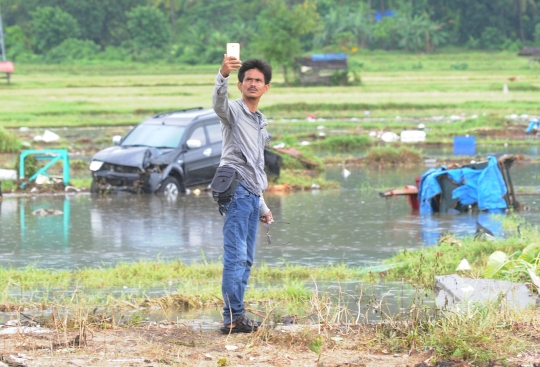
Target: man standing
x,y
244,137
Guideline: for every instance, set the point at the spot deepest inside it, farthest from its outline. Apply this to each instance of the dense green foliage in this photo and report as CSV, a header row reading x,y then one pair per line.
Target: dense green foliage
x,y
279,30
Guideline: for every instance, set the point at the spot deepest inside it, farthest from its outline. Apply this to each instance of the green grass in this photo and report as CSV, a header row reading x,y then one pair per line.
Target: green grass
x,y
392,84
391,155
421,266
9,142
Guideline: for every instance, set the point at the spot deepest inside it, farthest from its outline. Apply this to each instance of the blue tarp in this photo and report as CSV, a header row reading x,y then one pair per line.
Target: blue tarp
x,y
533,124
328,57
484,187
386,13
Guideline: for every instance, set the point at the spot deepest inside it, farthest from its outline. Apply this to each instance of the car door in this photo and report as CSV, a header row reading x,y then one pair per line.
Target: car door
x,y
215,138
198,161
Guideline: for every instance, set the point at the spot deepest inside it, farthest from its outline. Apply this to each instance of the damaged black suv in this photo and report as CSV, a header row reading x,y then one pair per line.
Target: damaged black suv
x,y
165,154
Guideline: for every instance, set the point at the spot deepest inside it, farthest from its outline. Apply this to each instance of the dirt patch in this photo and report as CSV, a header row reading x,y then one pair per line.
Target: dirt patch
x,y
178,345
169,344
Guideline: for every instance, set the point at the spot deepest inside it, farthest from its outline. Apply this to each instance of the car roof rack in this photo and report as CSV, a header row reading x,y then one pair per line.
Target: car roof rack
x,y
177,111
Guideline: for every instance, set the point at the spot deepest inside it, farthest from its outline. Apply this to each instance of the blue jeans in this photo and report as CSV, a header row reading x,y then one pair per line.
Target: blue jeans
x,y
239,236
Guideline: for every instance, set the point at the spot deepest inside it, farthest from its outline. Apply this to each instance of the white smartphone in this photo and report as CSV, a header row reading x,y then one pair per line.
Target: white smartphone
x,y
233,49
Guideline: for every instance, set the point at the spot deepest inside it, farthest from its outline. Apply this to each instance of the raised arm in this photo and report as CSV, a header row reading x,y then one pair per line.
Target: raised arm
x,y
220,101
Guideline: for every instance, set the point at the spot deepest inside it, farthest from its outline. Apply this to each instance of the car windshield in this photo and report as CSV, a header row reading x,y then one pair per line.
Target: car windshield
x,y
158,136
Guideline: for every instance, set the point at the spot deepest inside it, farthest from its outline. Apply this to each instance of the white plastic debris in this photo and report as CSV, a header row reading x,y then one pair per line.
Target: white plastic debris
x,y
196,192
345,173
304,143
44,212
24,330
315,186
535,278
8,174
505,88
413,136
231,347
42,180
389,137
464,266
279,146
48,136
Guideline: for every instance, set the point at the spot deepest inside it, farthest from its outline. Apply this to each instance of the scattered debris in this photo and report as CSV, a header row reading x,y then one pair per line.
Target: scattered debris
x,y
16,330
8,174
47,137
413,136
44,212
72,188
389,137
43,180
464,266
452,290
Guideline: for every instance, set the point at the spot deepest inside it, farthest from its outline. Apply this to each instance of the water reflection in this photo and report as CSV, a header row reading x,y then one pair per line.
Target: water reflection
x,y
352,225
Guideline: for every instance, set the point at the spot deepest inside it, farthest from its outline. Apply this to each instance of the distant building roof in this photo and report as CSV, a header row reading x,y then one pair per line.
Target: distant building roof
x,y
324,61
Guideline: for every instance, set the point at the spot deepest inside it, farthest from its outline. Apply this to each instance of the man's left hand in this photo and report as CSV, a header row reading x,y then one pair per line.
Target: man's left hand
x,y
267,218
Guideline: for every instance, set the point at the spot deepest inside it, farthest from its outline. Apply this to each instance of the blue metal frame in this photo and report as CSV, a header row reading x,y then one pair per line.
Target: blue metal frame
x,y
53,154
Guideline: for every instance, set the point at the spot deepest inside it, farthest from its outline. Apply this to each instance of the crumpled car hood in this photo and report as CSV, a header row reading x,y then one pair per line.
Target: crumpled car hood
x,y
128,156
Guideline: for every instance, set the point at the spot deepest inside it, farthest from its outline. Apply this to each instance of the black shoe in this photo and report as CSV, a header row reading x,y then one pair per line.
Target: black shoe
x,y
243,325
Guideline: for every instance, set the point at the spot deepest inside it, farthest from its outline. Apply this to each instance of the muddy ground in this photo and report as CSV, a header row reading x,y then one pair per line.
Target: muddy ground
x,y
179,345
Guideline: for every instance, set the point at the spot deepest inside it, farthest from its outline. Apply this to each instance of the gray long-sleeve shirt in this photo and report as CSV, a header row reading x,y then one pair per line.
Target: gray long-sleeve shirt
x,y
244,139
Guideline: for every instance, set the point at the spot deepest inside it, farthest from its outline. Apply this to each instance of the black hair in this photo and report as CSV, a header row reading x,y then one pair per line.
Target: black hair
x,y
258,64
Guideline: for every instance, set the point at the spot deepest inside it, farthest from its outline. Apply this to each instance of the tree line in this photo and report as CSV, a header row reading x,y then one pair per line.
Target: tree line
x,y
196,31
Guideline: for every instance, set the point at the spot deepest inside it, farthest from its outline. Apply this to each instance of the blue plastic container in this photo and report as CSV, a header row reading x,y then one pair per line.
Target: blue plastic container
x,y
464,145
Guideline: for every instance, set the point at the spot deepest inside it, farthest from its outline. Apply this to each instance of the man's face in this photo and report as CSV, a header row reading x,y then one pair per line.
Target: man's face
x,y
253,86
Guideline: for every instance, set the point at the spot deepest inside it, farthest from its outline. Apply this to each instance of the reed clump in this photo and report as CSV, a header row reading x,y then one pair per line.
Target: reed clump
x,y
391,156
9,142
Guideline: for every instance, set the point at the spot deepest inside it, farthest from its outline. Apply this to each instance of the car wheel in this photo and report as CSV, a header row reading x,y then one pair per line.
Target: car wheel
x,y
169,188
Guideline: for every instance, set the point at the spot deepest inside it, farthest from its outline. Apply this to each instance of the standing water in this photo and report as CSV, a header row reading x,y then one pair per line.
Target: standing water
x,y
352,225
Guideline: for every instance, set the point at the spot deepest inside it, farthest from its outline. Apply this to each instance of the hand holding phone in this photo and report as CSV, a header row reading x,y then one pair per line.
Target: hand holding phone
x,y
233,49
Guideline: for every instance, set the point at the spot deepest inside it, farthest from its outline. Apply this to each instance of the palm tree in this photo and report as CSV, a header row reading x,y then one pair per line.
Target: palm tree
x,y
434,35
411,31
332,25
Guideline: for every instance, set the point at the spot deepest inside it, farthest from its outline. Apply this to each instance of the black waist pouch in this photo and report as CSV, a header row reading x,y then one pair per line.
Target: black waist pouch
x,y
224,186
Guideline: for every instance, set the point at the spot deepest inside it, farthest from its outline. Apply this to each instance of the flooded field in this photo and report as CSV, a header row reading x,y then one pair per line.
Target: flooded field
x,y
352,225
